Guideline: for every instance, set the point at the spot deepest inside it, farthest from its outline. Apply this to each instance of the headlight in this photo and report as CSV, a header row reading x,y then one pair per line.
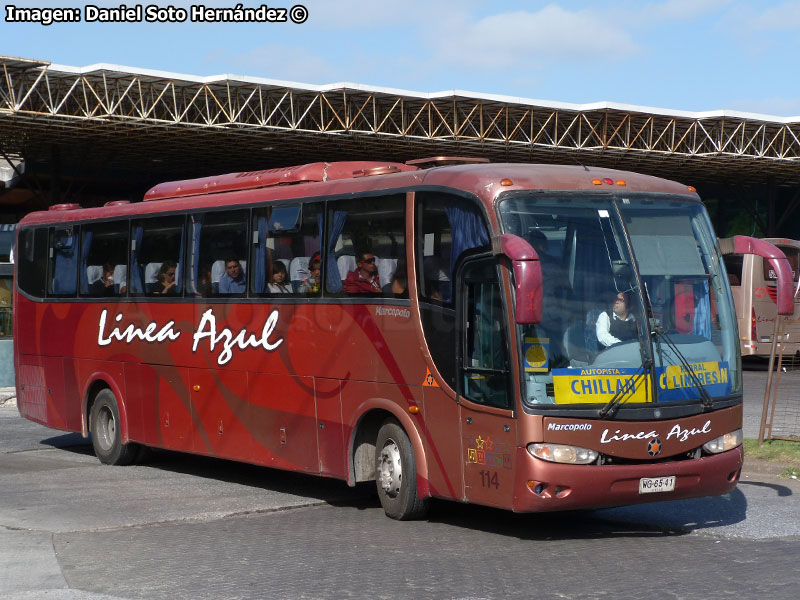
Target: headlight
x,y
563,454
723,443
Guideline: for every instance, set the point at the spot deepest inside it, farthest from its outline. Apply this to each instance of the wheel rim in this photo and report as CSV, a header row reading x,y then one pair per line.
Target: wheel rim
x,y
106,428
390,469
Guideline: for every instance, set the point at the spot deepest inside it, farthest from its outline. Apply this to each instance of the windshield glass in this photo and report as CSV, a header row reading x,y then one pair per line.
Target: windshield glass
x,y
593,343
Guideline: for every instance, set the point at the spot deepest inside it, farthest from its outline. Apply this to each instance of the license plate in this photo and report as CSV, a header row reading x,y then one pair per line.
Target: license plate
x,y
650,485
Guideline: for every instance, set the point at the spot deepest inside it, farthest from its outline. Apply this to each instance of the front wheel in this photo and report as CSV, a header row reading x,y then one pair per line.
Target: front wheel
x,y
396,474
106,437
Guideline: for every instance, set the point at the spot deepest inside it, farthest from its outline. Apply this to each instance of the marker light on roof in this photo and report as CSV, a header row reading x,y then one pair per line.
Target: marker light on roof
x,y
597,181
506,182
608,181
691,189
621,182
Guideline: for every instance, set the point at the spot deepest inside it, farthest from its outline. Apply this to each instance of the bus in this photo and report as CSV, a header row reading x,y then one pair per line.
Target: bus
x,y
754,287
432,326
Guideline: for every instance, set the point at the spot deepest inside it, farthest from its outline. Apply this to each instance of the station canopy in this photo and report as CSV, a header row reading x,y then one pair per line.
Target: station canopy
x,y
114,125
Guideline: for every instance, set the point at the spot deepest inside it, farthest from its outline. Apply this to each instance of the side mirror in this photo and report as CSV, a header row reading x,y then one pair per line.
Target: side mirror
x,y
527,277
743,244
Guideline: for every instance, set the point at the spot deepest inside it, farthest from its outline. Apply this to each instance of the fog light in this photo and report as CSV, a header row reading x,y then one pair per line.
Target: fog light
x,y
723,443
536,486
561,453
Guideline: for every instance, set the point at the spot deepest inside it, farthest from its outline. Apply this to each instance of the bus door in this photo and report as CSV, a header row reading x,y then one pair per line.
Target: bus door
x,y
488,427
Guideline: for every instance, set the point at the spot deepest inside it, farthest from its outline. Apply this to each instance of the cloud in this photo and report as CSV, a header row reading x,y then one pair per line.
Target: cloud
x,y
276,61
361,14
782,107
681,10
525,39
785,16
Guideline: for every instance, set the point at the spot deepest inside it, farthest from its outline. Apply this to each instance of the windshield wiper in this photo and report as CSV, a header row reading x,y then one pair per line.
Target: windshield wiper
x,y
624,394
661,334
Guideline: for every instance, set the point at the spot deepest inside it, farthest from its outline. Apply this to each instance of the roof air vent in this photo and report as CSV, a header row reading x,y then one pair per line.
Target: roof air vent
x,y
442,161
65,207
382,170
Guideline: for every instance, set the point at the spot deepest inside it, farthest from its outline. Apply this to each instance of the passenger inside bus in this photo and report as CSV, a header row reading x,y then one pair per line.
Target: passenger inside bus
x,y
104,286
310,285
232,281
279,276
205,287
166,281
364,278
618,324
399,284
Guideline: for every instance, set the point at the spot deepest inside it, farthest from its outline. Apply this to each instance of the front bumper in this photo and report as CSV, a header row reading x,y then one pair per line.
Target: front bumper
x,y
568,487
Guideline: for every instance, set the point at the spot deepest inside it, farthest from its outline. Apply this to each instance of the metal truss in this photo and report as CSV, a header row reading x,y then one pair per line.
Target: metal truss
x,y
37,99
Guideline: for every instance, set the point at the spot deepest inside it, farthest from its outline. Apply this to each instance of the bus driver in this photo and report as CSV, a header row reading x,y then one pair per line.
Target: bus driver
x,y
618,324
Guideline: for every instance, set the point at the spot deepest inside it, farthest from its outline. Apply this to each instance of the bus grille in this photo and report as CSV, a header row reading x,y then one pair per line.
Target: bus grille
x,y
33,398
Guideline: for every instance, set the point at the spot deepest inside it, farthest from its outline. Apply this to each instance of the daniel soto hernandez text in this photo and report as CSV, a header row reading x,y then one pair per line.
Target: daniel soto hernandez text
x,y
153,13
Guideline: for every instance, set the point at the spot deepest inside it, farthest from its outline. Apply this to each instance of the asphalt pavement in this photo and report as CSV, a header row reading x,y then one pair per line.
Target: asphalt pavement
x,y
183,526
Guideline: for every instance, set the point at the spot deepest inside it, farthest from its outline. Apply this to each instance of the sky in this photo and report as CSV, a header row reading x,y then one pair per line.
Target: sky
x,y
692,55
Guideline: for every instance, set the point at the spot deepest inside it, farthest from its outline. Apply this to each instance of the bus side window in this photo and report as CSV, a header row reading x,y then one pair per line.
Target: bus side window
x,y
372,229
31,256
733,265
63,261
792,256
288,235
104,257
156,257
439,244
485,364
218,253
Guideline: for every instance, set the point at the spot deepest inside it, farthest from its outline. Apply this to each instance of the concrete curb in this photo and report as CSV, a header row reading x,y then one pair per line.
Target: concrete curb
x,y
758,468
8,397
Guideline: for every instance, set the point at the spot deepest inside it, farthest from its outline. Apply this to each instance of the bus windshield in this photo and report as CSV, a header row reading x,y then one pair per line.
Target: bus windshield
x,y
636,307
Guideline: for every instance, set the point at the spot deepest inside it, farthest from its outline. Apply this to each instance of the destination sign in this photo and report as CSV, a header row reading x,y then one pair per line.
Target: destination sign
x,y
598,386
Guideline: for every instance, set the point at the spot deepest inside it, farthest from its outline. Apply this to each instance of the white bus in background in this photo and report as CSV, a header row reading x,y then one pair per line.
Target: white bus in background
x,y
753,285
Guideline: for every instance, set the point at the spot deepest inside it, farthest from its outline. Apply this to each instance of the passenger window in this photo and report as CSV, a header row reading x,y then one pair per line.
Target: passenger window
x,y
733,266
7,243
31,254
104,259
156,256
792,255
63,261
437,254
218,254
286,250
6,301
448,226
485,362
367,247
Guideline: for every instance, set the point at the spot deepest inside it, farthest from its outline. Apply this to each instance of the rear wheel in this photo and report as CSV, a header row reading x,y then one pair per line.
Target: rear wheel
x,y
396,474
105,428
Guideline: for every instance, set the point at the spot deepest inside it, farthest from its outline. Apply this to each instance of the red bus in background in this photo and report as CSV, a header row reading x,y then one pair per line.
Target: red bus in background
x,y
432,326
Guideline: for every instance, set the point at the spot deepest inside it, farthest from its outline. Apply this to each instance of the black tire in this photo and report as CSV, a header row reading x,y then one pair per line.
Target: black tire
x,y
106,439
396,474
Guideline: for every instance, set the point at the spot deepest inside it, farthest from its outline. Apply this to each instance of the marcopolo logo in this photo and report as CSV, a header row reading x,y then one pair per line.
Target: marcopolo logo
x,y
390,311
569,426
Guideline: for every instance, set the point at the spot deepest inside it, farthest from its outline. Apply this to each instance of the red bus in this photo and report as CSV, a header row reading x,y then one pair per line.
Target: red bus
x,y
439,330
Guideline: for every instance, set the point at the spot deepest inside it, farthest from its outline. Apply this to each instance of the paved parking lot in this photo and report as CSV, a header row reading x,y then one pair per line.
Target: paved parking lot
x,y
189,527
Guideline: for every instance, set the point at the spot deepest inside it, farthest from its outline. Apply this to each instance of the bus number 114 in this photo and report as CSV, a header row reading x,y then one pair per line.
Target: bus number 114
x,y
489,479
